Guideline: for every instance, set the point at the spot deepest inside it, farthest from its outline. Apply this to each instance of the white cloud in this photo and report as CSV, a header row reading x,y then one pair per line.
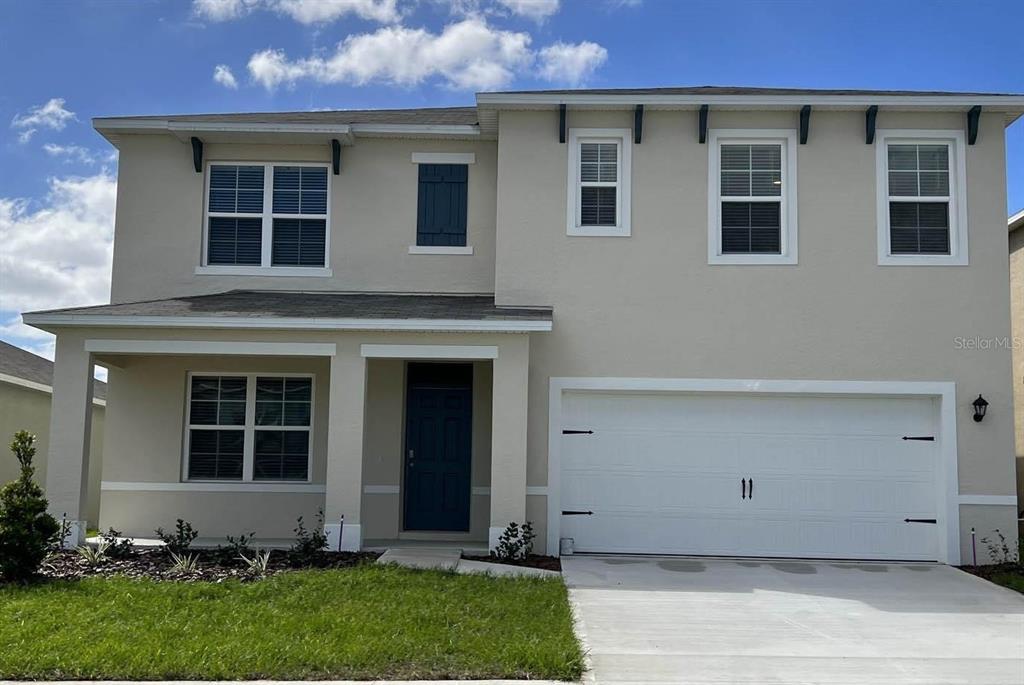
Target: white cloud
x,y
50,115
58,254
467,54
571,63
302,11
319,11
222,10
538,10
77,153
222,75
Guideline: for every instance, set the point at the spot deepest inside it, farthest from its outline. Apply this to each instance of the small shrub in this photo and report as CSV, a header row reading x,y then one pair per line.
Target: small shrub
x,y
309,545
26,530
184,563
515,542
1000,551
256,566
180,540
118,546
236,547
93,556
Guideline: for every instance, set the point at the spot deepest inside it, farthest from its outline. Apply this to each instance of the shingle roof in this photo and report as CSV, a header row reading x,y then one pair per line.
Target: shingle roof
x,y
22,364
421,116
733,90
325,305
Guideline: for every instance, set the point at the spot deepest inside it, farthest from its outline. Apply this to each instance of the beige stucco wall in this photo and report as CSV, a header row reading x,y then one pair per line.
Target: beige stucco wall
x,y
1017,315
145,439
651,306
145,445
159,224
29,409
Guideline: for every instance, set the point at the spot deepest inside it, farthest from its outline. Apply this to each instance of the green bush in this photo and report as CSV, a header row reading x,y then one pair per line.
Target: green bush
x,y
26,530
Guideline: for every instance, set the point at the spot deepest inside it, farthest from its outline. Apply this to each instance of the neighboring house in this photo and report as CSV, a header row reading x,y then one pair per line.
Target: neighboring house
x,y
1017,315
26,382
595,310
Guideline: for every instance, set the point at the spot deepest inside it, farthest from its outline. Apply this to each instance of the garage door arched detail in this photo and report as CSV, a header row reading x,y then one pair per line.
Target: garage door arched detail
x,y
754,468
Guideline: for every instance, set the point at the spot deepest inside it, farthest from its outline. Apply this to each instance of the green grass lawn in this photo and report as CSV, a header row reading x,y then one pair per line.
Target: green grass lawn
x,y
364,622
1010,579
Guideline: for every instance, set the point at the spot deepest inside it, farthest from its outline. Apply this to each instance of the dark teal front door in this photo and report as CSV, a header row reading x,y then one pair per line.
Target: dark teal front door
x,y
439,438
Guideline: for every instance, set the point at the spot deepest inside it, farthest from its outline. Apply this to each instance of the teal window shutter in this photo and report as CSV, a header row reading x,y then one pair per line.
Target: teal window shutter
x,y
441,209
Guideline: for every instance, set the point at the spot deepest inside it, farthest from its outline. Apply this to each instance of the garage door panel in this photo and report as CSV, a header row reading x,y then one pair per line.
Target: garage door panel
x,y
832,476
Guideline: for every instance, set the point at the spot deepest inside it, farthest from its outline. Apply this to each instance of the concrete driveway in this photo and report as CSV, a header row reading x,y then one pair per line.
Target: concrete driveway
x,y
702,621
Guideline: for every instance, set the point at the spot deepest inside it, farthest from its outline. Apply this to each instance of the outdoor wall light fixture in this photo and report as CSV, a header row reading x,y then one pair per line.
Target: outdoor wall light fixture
x,y
980,407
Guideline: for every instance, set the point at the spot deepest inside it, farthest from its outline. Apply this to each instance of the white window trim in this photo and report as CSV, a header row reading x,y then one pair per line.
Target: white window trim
x,y
249,444
623,137
788,200
441,249
958,252
265,268
444,158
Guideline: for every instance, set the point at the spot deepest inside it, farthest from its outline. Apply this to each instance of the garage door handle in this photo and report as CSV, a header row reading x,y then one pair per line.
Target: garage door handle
x,y
750,495
743,486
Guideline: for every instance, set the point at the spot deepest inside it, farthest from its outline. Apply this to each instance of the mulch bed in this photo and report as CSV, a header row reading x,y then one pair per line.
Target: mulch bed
x,y
987,572
532,561
213,565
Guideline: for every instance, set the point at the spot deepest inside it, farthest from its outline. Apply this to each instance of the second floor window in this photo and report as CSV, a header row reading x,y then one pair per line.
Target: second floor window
x,y
267,215
599,182
921,217
441,205
752,190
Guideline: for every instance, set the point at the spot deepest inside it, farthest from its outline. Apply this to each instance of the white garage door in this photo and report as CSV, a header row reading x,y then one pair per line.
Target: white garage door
x,y
774,476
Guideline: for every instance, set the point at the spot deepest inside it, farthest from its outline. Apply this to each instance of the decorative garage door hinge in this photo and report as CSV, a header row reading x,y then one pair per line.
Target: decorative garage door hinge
x,y
920,521
926,438
577,513
569,431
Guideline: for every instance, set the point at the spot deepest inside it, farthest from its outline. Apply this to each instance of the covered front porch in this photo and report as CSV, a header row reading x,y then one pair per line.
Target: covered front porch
x,y
383,424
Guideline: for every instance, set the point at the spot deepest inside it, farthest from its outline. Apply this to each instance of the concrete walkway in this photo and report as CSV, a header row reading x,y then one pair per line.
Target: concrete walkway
x,y
703,622
450,559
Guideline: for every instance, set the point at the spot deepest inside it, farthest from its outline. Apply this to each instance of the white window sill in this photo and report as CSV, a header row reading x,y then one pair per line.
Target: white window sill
x,y
922,260
752,259
598,232
440,249
308,271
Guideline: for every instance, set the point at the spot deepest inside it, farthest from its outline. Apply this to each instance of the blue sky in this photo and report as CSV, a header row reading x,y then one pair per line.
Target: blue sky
x,y
65,62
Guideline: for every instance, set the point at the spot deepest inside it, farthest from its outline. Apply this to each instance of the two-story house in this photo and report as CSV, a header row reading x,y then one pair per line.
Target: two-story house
x,y
718,321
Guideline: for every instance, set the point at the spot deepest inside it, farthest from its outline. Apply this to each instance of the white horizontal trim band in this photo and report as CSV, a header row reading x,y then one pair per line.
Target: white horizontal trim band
x,y
125,486
444,158
998,500
454,325
289,349
371,351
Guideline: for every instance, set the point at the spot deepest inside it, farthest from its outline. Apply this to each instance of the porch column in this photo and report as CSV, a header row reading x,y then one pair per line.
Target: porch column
x,y
508,435
345,449
67,467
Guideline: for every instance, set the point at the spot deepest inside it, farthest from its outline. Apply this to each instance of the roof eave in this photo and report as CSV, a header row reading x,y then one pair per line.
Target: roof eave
x,y
228,131
50,322
1016,221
